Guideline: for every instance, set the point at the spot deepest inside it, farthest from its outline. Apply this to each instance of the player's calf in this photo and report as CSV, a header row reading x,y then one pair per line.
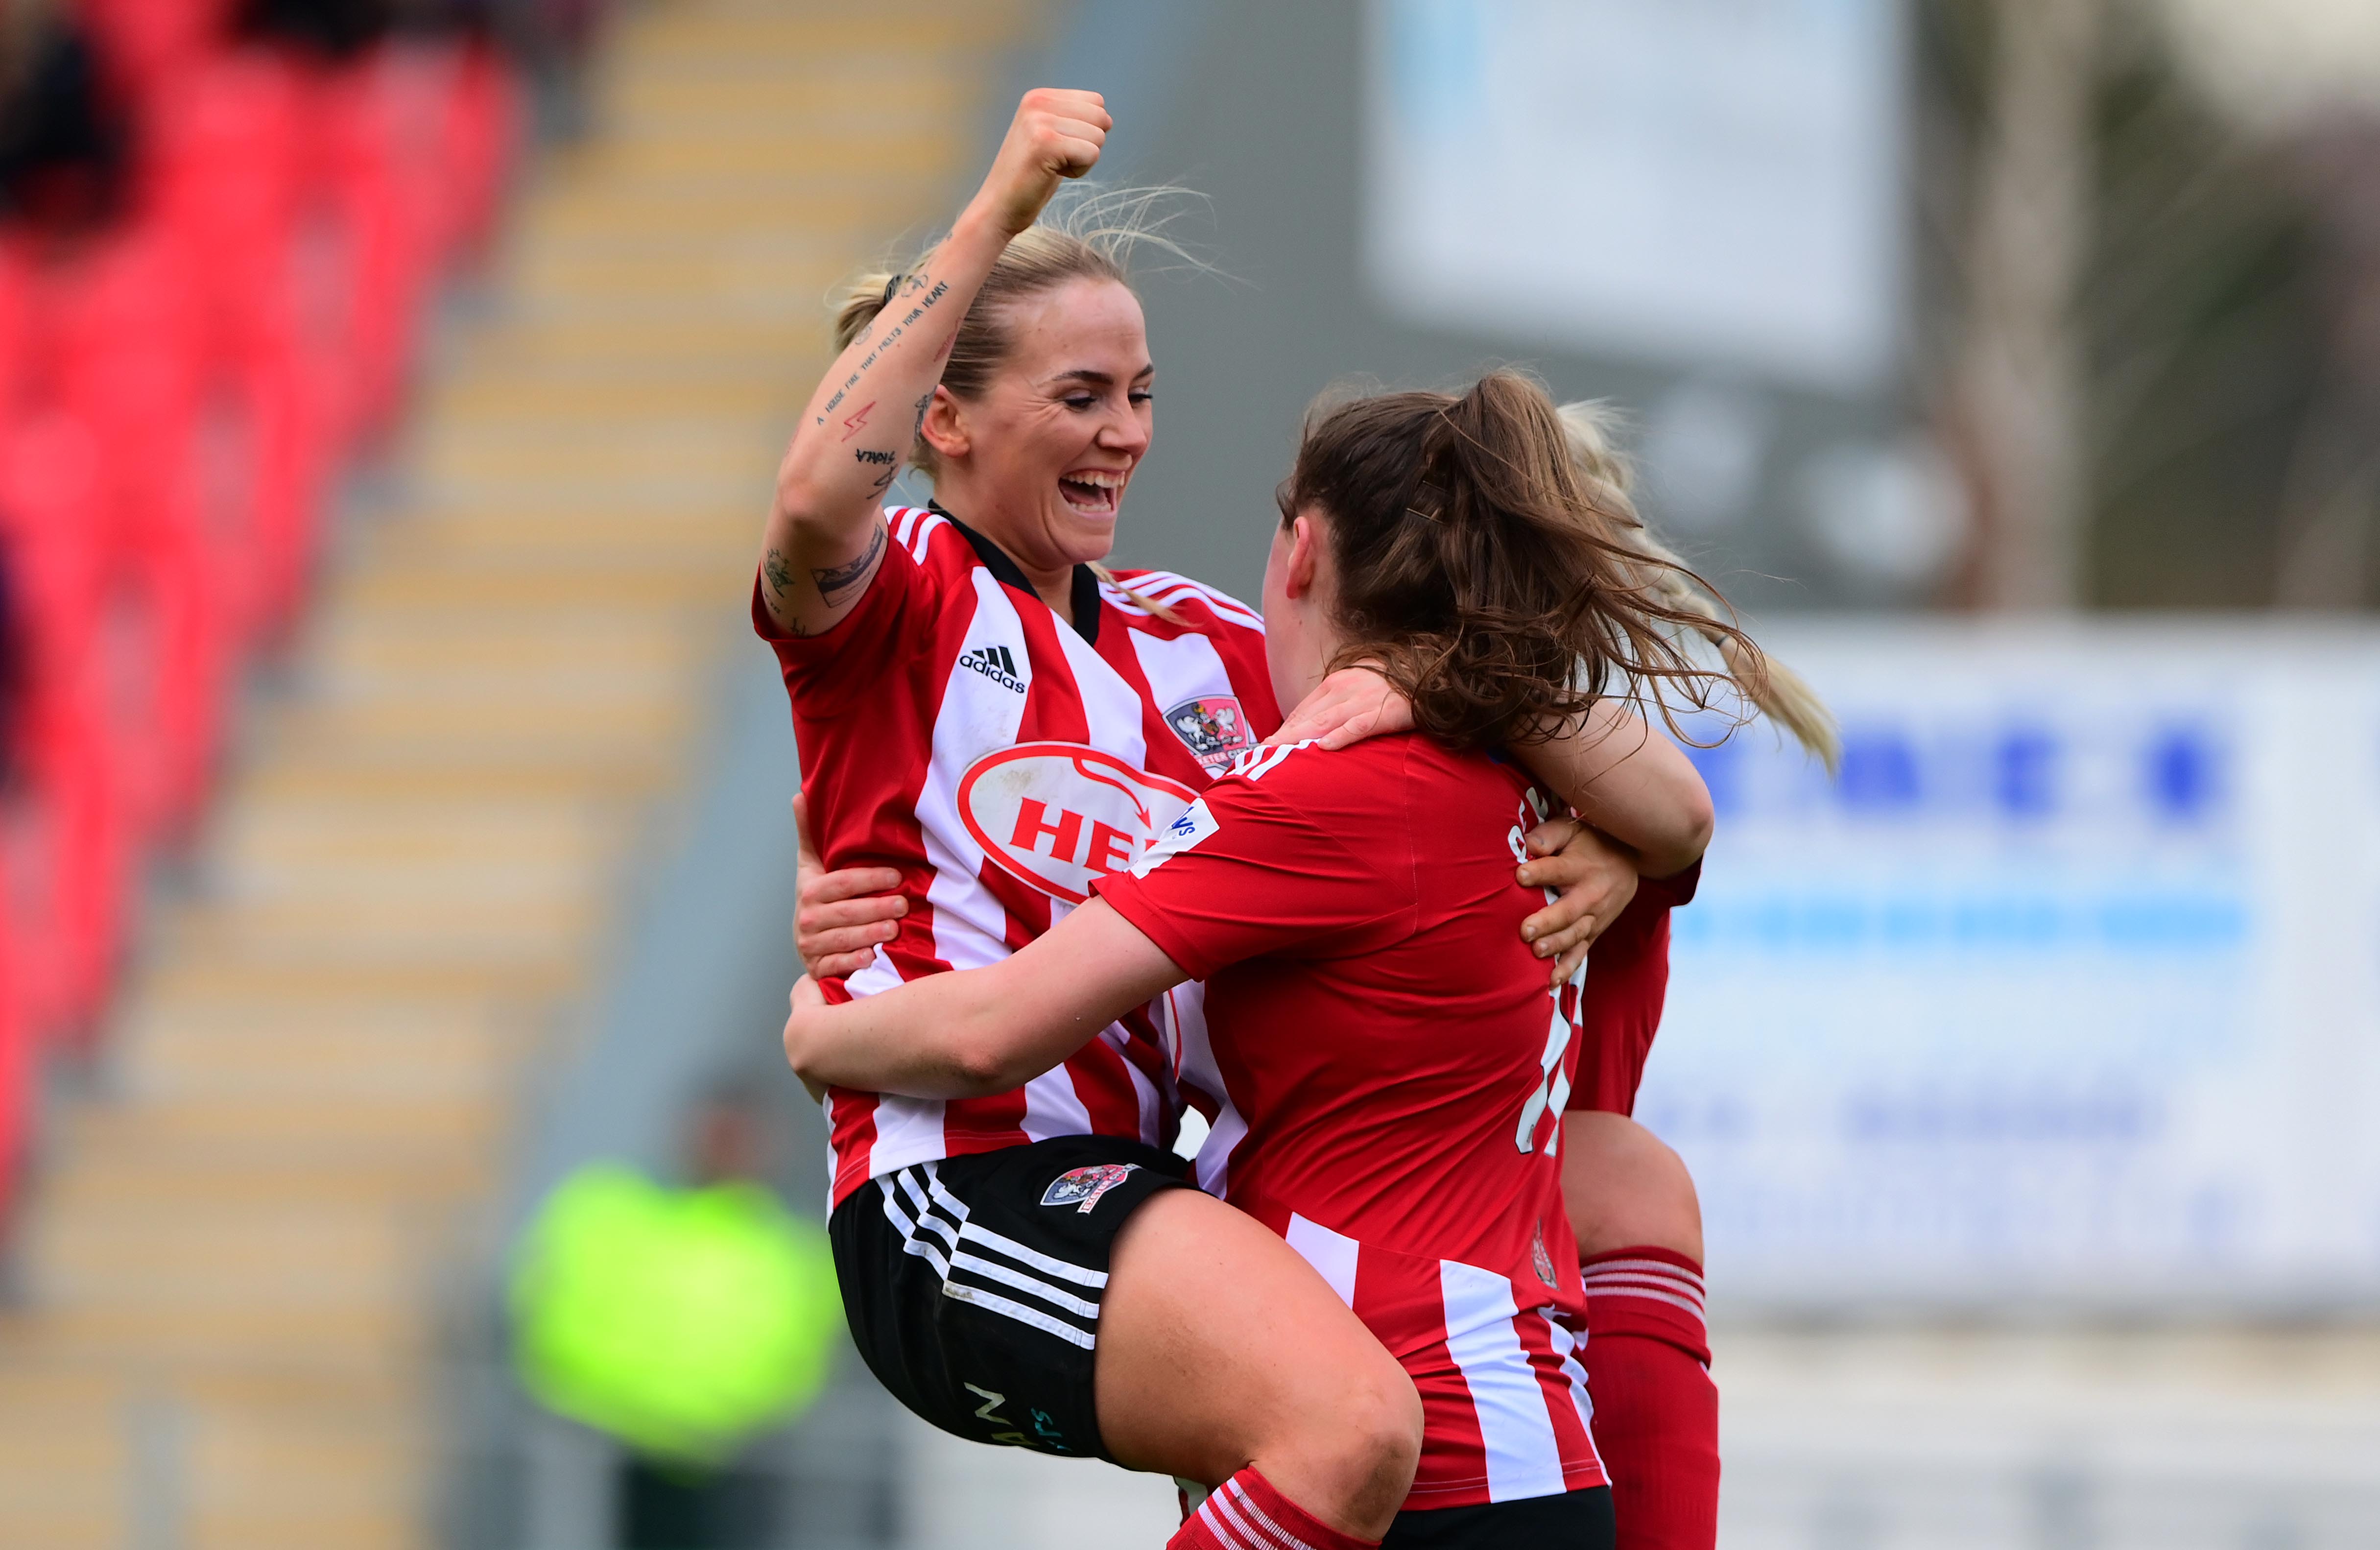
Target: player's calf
x,y
1638,1222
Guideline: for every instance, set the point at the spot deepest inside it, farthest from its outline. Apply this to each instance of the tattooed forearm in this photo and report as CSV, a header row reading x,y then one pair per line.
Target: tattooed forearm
x,y
842,578
853,423
778,571
881,459
925,304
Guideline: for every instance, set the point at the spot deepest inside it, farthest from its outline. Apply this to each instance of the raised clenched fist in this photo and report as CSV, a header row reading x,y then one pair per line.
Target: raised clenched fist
x,y
1056,135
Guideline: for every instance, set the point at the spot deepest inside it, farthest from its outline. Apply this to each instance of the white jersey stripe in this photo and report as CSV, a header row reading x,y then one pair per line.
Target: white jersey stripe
x,y
1566,1346
1185,1013
1332,1255
1166,585
1178,667
1524,1455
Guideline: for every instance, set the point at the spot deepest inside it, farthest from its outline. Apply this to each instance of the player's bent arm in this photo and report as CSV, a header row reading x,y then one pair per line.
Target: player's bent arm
x,y
976,1032
1631,783
825,535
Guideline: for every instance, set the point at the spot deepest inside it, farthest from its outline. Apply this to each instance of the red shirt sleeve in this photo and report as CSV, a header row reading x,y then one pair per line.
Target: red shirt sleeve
x,y
1288,861
827,672
1674,891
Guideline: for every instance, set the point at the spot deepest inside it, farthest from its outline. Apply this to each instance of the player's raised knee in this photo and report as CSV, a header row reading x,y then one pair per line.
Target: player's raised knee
x,y
1360,1440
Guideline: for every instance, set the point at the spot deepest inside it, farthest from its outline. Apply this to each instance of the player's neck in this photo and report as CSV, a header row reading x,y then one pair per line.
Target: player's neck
x,y
1054,585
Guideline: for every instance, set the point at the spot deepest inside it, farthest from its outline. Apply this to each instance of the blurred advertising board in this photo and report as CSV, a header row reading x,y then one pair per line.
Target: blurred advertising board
x,y
2066,992
1708,183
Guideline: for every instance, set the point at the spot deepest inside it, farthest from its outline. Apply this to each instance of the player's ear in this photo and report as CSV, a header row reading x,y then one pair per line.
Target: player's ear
x,y
1304,550
944,426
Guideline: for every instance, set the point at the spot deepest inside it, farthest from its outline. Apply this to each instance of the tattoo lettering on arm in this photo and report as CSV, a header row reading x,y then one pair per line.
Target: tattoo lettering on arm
x,y
925,304
881,459
837,580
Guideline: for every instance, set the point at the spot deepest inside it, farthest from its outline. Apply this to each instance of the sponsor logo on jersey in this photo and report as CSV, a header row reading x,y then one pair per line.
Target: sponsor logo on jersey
x,y
994,662
1544,1261
1214,728
1061,815
1086,1185
1194,824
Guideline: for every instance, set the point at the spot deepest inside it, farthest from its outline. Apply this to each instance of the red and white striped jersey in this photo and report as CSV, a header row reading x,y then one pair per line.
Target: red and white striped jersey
x,y
1002,759
1386,1065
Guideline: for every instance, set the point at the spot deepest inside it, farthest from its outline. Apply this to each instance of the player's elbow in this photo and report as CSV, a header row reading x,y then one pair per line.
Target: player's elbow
x,y
981,1064
1683,838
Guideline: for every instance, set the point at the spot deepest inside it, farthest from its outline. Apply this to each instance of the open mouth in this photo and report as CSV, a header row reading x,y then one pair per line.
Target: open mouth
x,y
1093,492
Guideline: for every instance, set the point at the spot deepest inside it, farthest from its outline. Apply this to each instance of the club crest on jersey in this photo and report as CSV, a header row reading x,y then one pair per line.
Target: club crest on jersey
x,y
1060,816
1086,1185
1214,728
995,662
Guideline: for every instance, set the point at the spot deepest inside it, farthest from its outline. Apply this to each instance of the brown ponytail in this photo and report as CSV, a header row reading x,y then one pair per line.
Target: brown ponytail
x,y
1487,575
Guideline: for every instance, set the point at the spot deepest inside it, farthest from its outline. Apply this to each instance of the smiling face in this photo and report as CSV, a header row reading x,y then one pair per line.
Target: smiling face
x,y
1039,460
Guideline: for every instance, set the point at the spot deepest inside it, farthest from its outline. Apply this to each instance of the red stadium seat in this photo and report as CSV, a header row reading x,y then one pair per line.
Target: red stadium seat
x,y
484,115
147,42
228,178
51,513
129,364
383,127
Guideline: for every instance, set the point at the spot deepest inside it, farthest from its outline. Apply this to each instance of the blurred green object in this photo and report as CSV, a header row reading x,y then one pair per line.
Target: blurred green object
x,y
679,1321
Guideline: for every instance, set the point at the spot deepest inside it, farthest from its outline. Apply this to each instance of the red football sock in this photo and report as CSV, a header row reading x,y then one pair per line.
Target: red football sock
x,y
1656,1409
1246,1513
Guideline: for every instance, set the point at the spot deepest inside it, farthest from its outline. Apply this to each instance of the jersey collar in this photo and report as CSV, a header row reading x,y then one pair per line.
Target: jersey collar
x,y
1085,599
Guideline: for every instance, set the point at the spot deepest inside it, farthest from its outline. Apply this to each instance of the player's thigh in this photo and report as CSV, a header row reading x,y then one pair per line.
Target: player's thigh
x,y
1218,1344
1624,1187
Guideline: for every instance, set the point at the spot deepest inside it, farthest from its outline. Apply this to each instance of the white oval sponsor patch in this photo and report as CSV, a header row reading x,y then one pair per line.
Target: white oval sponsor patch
x,y
1060,816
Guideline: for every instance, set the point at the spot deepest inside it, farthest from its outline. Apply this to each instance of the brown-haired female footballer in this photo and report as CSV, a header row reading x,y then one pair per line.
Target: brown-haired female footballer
x,y
1385,1060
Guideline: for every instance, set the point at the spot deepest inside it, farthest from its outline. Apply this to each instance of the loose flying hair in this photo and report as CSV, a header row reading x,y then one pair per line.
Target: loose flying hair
x,y
1781,695
1493,579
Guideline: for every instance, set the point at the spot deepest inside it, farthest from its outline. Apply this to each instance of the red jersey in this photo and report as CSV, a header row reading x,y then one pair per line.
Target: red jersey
x,y
1619,1004
1386,1070
1002,759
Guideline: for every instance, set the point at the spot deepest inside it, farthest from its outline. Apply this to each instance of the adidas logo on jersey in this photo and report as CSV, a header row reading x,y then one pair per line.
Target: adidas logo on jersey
x,y
995,663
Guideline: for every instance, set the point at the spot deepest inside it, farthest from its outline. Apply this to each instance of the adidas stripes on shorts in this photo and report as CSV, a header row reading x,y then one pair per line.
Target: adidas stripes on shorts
x,y
973,1284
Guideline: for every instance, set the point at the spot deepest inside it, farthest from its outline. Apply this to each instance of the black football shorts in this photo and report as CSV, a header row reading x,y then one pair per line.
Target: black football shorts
x,y
1575,1521
973,1284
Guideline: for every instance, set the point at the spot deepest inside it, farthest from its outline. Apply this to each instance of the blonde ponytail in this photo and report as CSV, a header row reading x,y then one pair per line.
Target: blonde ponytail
x,y
1780,693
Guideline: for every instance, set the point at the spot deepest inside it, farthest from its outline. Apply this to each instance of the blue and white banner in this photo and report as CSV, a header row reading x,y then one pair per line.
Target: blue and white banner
x,y
2067,990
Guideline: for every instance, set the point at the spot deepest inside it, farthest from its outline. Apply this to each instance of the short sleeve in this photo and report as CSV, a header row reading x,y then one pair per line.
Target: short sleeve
x,y
1268,865
828,672
1674,891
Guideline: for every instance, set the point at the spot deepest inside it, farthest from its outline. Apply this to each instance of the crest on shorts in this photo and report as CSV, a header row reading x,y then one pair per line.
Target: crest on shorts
x,y
1086,1185
1214,728
1545,1261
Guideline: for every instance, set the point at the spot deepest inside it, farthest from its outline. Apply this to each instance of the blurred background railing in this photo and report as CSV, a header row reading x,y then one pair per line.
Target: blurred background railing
x,y
396,822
